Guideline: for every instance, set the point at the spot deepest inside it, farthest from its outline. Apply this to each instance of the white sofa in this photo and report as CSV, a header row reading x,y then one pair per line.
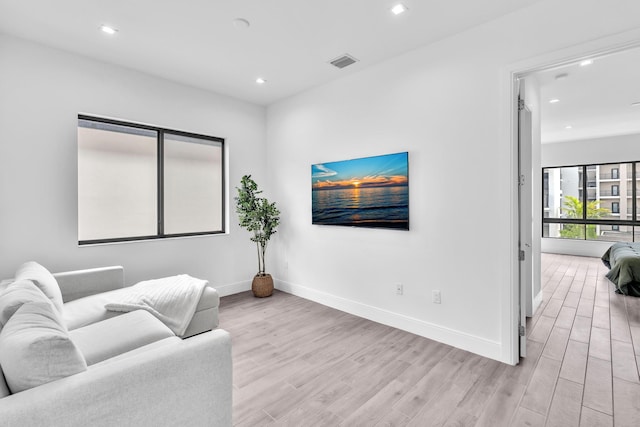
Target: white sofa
x,y
85,293
118,369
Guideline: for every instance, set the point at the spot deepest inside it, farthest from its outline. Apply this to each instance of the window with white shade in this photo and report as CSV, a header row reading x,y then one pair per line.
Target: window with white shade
x,y
192,184
142,182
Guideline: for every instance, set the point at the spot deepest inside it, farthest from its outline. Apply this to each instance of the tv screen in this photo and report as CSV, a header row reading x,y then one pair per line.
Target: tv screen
x,y
365,192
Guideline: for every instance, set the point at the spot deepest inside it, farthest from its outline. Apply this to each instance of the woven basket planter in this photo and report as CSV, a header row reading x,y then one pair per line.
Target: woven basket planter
x,y
262,286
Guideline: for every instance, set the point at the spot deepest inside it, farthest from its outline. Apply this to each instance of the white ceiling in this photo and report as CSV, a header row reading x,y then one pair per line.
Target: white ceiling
x,y
289,42
595,100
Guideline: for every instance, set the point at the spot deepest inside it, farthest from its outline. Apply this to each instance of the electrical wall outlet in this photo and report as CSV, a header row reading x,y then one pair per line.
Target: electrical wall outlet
x,y
436,297
399,289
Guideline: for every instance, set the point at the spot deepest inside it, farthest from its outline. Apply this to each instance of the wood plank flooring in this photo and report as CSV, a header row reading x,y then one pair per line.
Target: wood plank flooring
x,y
298,363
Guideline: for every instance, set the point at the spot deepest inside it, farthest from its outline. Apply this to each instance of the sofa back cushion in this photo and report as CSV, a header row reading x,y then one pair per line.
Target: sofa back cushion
x,y
43,279
17,294
35,348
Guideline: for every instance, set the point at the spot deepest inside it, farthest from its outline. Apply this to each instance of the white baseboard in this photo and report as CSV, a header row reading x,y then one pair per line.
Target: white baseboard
x,y
472,343
233,288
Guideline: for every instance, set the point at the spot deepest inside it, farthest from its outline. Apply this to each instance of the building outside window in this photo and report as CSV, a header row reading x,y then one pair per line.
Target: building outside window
x,y
580,201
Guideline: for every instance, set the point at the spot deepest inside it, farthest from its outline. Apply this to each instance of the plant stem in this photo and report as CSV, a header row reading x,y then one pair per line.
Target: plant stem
x,y
258,248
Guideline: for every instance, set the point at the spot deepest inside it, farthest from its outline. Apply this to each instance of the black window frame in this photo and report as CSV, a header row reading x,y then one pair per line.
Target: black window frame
x,y
545,184
632,223
161,131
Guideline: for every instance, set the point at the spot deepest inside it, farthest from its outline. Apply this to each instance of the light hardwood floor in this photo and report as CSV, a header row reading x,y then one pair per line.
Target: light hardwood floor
x,y
298,363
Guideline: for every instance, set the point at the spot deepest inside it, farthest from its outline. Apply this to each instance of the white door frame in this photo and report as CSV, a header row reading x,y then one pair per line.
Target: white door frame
x,y
510,299
525,208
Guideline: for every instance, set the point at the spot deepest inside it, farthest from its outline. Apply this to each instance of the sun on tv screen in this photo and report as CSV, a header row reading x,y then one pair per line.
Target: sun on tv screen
x,y
366,192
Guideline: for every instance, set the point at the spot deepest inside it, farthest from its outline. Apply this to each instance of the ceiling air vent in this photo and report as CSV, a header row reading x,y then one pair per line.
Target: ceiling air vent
x,y
343,61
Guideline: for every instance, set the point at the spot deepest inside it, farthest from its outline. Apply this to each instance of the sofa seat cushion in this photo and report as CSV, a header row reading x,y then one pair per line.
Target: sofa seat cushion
x,y
111,337
162,346
85,311
35,348
43,279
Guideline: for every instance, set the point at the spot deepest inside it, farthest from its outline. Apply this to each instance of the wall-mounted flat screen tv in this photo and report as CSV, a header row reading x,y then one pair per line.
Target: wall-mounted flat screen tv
x,y
366,192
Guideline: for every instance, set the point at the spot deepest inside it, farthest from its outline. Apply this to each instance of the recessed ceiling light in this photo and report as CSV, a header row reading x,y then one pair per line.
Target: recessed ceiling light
x,y
568,127
554,100
586,62
260,81
108,29
635,104
398,9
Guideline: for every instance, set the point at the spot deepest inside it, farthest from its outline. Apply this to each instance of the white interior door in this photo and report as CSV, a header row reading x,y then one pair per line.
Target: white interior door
x,y
525,211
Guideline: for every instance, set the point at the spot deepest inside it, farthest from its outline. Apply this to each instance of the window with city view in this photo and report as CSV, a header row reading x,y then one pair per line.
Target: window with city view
x,y
591,202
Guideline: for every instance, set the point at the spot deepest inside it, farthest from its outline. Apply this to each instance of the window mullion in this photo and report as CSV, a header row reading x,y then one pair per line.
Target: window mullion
x,y
585,195
585,199
633,200
160,183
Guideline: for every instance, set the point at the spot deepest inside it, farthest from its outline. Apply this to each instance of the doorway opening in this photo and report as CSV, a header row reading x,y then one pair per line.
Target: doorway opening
x,y
581,103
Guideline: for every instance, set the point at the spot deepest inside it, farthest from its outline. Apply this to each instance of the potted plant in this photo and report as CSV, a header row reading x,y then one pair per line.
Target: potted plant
x,y
261,218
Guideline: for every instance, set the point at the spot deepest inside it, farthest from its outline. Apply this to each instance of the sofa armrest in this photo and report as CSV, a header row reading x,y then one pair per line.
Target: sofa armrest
x,y
81,283
177,382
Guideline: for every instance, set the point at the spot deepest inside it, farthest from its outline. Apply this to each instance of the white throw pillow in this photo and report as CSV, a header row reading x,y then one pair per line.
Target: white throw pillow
x,y
43,279
17,294
35,348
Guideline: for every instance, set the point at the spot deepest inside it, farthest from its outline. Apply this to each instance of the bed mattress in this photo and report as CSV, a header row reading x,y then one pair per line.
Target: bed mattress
x,y
623,260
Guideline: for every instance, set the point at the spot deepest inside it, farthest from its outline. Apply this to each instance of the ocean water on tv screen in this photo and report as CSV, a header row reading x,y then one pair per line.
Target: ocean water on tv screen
x,y
378,207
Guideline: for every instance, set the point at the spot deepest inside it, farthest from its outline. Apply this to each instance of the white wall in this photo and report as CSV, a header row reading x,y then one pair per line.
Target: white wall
x,y
42,91
619,148
613,149
444,104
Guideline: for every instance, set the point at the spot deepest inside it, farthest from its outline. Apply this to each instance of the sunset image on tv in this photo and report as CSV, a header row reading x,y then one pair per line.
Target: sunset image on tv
x,y
366,192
